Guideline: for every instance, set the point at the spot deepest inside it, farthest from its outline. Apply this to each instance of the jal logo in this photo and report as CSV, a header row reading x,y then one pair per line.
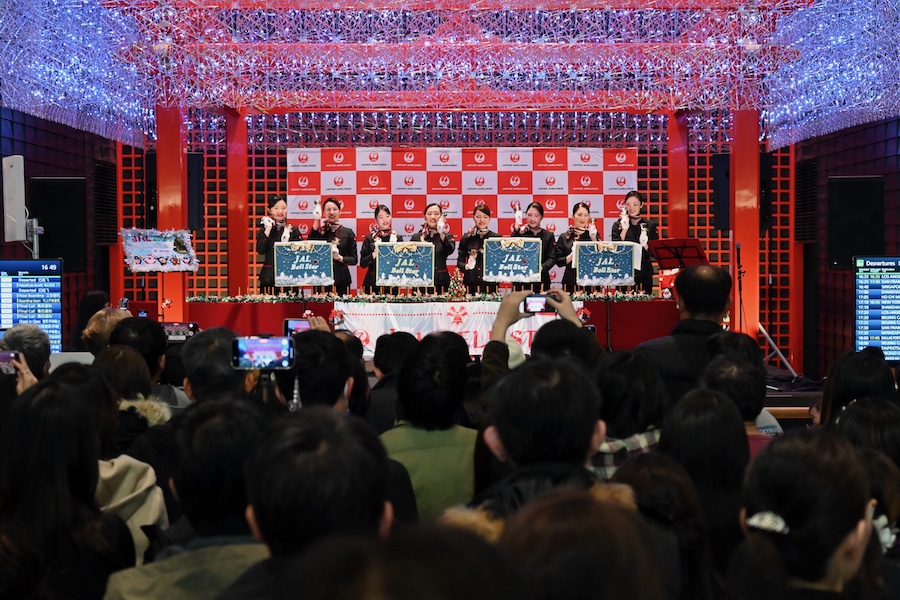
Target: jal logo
x,y
585,180
446,227
444,157
373,180
303,182
550,157
479,181
340,204
409,228
552,273
304,228
551,227
373,157
551,204
409,157
514,157
621,157
373,203
338,157
303,158
363,336
444,181
303,205
408,181
550,180
409,204
457,314
445,204
620,205
585,157
479,157
515,181
586,202
620,181
338,181
479,202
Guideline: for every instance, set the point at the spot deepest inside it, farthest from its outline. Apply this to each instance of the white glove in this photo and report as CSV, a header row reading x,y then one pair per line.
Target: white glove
x,y
470,263
441,224
518,216
317,210
286,234
335,253
592,230
644,237
267,222
393,237
623,220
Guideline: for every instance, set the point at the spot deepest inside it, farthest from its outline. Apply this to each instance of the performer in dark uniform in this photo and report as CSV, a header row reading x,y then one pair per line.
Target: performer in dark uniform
x,y
531,228
632,227
273,228
582,230
344,253
444,244
471,252
380,231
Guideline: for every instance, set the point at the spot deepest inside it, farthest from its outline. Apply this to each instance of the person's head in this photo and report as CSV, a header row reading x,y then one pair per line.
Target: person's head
x,y
871,423
481,215
277,207
431,382
147,337
32,343
433,213
806,508
562,338
576,546
863,374
383,217
173,373
391,349
742,382
99,327
331,210
207,365
534,214
213,441
125,371
703,292
323,372
426,562
358,396
734,345
545,411
884,484
352,343
634,397
316,473
93,389
581,215
90,303
634,201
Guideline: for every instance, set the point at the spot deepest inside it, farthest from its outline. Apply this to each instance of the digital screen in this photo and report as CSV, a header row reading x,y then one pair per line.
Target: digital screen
x,y
878,304
31,292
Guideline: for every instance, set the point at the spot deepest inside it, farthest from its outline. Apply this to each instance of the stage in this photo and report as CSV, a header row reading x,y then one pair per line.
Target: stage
x,y
620,325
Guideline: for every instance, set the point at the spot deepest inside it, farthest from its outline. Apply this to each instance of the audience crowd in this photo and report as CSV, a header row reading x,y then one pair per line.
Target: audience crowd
x,y
162,471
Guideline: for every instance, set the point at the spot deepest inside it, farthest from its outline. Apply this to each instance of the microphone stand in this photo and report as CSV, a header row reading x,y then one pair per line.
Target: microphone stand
x,y
740,278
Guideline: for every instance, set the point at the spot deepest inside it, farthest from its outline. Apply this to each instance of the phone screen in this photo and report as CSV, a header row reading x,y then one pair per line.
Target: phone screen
x,y
262,353
536,304
6,366
180,332
292,326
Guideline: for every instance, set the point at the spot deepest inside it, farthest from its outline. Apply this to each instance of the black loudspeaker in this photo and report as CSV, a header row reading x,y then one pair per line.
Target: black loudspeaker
x,y
855,219
195,191
721,191
151,193
60,206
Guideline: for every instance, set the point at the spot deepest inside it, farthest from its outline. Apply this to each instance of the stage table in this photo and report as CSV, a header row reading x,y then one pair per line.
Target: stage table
x,y
619,325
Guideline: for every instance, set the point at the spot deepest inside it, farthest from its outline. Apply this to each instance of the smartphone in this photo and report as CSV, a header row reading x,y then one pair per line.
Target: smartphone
x,y
292,326
180,332
262,353
591,328
142,313
123,303
536,303
6,366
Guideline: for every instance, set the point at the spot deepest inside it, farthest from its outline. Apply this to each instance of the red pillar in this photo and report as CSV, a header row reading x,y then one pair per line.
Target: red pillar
x,y
795,305
678,150
236,183
171,183
745,221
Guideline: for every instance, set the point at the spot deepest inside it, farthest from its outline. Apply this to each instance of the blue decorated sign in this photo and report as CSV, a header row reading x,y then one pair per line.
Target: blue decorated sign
x,y
404,264
512,260
606,263
303,263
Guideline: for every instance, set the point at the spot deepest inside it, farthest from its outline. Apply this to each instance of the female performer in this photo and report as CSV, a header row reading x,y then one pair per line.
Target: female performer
x,y
471,251
534,214
273,228
381,231
582,230
632,227
343,240
444,244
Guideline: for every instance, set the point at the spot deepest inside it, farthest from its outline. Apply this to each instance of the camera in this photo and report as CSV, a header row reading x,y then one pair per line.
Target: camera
x,y
536,303
292,326
266,353
6,365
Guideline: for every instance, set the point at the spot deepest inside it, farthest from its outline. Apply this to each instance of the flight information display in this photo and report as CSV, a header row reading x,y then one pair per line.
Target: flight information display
x,y
31,292
878,304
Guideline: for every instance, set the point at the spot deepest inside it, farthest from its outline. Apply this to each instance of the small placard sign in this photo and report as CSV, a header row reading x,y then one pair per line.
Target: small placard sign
x,y
303,263
606,263
512,260
404,264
